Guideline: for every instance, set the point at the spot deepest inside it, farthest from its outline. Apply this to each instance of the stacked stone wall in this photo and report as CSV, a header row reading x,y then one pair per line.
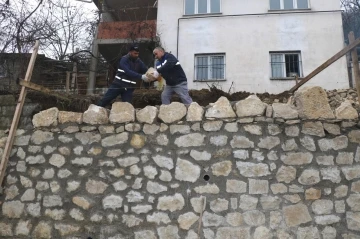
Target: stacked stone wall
x,y
7,110
232,170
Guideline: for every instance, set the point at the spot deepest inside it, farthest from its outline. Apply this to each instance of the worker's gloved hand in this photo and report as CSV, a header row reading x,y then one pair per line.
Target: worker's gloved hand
x,y
155,74
144,78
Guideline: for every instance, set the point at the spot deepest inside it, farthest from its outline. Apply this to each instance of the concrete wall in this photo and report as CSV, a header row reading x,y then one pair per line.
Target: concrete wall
x,y
247,40
255,177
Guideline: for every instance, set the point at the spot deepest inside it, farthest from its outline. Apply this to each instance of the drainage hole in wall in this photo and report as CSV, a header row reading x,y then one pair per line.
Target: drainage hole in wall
x,y
206,177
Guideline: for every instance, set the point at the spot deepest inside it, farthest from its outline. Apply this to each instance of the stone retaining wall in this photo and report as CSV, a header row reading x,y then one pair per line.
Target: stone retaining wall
x,y
246,170
7,110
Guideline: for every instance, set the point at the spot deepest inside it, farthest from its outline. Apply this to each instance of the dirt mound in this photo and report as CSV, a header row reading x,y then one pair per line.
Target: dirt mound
x,y
145,97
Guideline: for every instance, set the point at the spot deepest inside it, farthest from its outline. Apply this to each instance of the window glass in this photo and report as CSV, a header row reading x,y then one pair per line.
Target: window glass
x,y
275,4
202,6
202,67
302,4
277,65
189,7
215,6
288,4
217,66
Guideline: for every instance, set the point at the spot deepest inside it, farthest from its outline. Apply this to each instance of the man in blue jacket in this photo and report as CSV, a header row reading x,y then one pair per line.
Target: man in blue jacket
x,y
169,67
130,69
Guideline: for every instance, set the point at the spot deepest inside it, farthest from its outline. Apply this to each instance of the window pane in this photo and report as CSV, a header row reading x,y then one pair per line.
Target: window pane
x,y
189,7
301,4
292,65
274,4
277,66
202,7
288,4
217,67
202,68
215,6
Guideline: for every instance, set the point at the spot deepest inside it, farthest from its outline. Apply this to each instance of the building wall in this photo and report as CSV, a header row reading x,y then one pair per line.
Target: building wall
x,y
248,39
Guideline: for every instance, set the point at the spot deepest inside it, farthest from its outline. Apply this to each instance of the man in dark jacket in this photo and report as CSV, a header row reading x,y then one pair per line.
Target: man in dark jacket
x,y
130,69
169,67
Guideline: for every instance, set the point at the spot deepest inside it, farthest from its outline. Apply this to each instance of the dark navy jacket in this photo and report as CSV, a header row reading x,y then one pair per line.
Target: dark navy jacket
x,y
130,70
169,67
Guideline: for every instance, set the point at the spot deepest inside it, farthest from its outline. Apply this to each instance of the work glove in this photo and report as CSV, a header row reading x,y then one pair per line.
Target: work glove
x,y
155,74
144,78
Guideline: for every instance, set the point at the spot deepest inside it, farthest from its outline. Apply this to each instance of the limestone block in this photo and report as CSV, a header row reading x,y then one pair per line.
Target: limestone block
x,y
296,215
46,118
312,103
220,109
284,111
187,171
122,112
251,106
195,112
346,112
95,115
70,117
147,115
172,113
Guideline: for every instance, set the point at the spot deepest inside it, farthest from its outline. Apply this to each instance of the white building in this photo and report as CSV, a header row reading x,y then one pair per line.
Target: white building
x,y
254,45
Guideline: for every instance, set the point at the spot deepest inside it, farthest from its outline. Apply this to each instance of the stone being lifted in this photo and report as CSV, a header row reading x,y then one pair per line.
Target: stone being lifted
x,y
160,80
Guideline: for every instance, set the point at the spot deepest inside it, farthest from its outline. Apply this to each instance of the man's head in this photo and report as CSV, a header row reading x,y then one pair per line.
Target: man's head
x,y
158,52
134,51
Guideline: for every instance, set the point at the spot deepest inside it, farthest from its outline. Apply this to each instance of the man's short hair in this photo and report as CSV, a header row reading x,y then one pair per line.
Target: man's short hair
x,y
134,47
159,48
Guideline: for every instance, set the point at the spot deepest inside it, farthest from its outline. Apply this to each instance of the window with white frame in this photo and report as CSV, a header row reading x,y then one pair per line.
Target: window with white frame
x,y
210,67
285,64
202,6
289,4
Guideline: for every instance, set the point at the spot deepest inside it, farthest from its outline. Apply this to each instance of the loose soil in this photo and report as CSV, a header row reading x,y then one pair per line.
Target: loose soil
x,y
145,97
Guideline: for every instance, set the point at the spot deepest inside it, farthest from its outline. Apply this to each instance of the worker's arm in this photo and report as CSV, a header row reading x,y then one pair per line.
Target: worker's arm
x,y
125,66
143,67
168,64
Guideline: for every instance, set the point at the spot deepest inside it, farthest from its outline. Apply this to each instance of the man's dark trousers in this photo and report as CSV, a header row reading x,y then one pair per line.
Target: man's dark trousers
x,y
115,90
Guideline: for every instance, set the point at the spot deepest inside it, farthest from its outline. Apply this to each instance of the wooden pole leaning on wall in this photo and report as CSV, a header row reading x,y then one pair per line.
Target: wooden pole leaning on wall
x,y
355,63
326,64
18,110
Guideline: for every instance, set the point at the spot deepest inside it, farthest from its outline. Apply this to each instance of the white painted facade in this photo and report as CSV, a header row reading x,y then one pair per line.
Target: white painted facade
x,y
247,31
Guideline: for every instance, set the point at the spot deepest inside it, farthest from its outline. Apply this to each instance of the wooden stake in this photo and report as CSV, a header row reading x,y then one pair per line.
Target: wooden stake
x,y
67,86
336,57
355,62
42,89
18,110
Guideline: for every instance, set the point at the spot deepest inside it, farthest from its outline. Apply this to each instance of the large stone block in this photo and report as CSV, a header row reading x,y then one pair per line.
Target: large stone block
x,y
122,112
284,111
312,103
96,115
46,118
70,117
251,106
172,113
195,112
220,109
147,115
346,112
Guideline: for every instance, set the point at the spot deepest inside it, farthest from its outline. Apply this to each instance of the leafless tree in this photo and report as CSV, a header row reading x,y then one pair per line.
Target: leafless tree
x,y
351,16
70,28
60,26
